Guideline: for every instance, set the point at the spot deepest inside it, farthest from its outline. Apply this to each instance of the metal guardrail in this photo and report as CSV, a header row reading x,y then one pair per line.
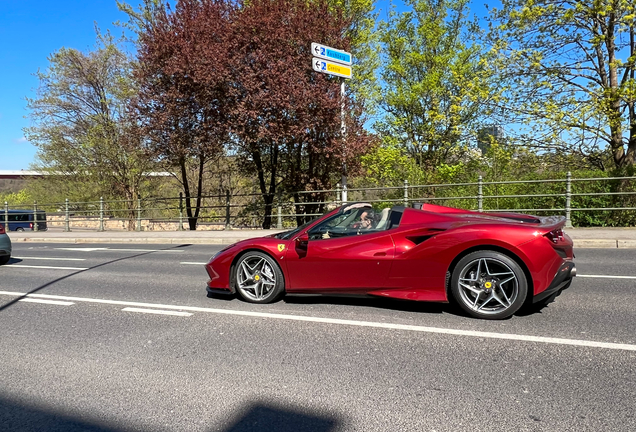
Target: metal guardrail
x,y
227,211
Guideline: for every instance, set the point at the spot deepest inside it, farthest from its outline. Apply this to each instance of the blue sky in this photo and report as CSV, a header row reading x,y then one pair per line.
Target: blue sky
x,y
30,30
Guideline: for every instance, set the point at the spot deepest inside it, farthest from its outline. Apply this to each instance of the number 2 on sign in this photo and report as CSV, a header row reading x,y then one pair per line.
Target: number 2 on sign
x,y
322,51
324,66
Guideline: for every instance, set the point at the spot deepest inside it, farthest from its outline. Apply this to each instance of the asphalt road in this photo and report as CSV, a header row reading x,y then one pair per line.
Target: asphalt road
x,y
97,355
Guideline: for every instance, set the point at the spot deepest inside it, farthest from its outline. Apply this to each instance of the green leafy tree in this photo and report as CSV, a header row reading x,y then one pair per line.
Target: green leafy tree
x,y
569,66
363,41
436,80
81,126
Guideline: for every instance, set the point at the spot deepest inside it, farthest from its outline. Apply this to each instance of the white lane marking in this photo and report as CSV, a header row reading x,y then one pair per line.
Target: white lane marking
x,y
54,302
82,249
156,311
120,250
389,326
50,258
193,263
44,267
606,276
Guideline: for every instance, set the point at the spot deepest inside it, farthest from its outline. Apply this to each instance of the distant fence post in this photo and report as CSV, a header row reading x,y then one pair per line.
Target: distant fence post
x,y
227,209
180,227
406,193
568,200
101,214
338,194
480,194
6,215
138,214
279,223
35,216
67,218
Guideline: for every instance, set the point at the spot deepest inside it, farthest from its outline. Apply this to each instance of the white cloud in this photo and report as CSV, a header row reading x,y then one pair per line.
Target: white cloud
x,y
20,140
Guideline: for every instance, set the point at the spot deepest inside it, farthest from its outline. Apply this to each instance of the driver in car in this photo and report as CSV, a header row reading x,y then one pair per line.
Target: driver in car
x,y
367,220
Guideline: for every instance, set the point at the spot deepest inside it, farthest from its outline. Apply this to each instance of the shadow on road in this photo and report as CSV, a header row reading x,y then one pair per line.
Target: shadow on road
x,y
53,282
254,417
267,417
372,302
19,418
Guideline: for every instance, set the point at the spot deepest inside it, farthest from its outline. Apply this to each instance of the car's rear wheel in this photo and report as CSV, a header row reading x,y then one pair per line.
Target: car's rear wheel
x,y
489,285
4,259
19,229
258,279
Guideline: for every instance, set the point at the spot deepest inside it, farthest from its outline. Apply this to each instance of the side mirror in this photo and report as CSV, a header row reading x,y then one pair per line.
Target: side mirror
x,y
302,240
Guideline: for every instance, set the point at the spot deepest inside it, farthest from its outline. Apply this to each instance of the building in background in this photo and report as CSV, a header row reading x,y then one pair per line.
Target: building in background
x,y
489,134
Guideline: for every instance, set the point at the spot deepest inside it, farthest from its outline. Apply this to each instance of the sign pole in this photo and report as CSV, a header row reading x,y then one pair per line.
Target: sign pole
x,y
343,130
335,62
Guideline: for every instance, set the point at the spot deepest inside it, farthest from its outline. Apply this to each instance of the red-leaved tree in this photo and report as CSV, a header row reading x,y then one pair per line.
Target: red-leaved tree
x,y
287,118
182,74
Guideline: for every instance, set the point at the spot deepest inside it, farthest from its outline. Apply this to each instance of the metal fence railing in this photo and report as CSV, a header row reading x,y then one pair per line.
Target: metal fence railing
x,y
583,201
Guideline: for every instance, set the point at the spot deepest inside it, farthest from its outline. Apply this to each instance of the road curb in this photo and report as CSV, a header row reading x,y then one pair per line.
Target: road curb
x,y
210,241
598,243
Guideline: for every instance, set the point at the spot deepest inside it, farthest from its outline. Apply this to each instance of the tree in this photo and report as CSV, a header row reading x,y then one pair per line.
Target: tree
x,y
81,126
182,74
569,66
363,40
285,117
436,80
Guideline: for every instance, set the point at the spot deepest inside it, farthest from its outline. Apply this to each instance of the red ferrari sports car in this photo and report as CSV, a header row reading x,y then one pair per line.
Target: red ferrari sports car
x,y
489,264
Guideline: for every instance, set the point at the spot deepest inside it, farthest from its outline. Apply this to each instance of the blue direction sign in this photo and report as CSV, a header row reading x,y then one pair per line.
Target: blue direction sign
x,y
328,53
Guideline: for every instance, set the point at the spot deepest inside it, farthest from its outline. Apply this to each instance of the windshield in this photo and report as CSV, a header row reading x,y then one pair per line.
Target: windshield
x,y
289,234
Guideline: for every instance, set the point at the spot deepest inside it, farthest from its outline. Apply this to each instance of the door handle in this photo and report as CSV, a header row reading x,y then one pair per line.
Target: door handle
x,y
379,254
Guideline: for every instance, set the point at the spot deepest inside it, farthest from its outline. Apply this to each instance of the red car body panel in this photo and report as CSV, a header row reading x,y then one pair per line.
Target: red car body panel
x,y
346,264
410,261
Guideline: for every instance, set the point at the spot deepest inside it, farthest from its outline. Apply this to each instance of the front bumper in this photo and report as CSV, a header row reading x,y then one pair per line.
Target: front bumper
x,y
217,291
561,281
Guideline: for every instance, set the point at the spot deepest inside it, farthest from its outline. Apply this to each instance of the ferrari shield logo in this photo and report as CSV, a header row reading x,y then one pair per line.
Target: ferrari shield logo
x,y
281,247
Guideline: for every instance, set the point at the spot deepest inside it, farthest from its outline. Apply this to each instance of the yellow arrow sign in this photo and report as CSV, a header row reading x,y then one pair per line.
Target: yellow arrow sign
x,y
325,66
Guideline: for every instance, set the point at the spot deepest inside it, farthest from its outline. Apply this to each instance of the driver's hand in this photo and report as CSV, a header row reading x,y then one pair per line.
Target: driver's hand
x,y
326,235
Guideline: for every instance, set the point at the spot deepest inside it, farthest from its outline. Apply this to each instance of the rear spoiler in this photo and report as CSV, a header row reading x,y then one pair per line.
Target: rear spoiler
x,y
544,224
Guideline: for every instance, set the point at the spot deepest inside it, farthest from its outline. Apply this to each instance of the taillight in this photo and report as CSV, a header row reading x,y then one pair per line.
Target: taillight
x,y
555,235
2,229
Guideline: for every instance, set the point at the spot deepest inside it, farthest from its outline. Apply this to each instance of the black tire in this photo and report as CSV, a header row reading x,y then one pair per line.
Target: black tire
x,y
4,259
489,285
257,278
19,229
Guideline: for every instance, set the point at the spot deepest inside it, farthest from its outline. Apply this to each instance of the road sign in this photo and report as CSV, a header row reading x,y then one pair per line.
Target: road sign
x,y
331,68
328,53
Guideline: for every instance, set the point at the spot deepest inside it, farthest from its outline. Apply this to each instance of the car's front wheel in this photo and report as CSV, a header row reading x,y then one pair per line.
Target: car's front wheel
x,y
489,285
258,279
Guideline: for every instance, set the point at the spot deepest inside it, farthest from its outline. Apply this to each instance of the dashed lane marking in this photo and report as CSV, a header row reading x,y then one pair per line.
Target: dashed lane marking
x,y
156,311
342,322
53,302
606,276
120,250
193,263
44,267
50,258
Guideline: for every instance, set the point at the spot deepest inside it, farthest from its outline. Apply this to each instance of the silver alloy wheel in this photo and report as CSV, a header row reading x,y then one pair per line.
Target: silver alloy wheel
x,y
488,286
255,278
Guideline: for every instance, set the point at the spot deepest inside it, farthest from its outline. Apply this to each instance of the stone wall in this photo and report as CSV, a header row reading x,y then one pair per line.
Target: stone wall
x,y
114,224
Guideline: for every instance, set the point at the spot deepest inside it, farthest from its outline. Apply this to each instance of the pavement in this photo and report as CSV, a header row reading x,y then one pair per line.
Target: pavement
x,y
622,238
